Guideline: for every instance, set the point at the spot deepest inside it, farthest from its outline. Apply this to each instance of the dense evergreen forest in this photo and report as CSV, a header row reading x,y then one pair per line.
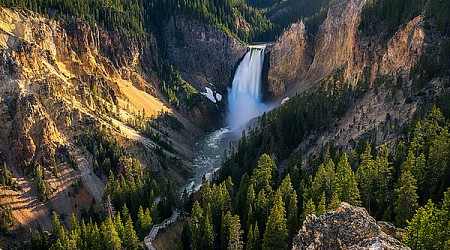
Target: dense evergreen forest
x,y
139,17
133,201
409,185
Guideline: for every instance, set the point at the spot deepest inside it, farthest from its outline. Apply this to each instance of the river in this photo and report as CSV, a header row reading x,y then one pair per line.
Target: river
x,y
209,155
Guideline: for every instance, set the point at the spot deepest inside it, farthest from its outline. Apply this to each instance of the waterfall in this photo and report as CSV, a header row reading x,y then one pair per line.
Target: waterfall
x,y
244,96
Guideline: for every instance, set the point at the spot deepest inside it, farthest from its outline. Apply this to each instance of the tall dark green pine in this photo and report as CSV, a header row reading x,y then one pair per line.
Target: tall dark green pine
x,y
275,236
321,207
383,179
208,236
262,176
110,237
254,240
292,215
365,176
405,204
346,185
310,208
7,179
130,241
231,232
196,224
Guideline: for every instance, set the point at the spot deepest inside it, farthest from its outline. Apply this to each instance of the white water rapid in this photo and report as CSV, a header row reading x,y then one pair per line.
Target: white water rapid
x,y
244,97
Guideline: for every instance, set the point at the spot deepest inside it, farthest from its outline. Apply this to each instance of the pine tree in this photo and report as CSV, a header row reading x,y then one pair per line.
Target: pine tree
x,y
110,237
286,188
262,206
292,215
75,233
118,224
422,228
275,236
406,202
320,183
208,237
130,240
195,225
263,173
429,228
58,230
383,177
144,222
231,232
365,176
250,201
310,208
6,179
321,207
346,185
254,241
334,203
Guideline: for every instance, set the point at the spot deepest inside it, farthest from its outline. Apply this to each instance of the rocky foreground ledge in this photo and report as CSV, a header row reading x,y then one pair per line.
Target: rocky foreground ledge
x,y
349,227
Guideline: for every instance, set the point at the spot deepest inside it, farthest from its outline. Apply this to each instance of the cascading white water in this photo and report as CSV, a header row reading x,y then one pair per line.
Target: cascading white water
x,y
244,97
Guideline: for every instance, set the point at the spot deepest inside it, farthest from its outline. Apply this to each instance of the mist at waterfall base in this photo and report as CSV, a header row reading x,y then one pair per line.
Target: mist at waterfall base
x,y
244,96
244,100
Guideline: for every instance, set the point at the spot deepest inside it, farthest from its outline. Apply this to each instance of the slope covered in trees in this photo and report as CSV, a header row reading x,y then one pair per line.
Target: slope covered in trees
x,y
264,205
139,17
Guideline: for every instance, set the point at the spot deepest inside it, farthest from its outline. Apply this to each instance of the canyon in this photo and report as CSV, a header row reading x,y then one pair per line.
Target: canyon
x,y
61,77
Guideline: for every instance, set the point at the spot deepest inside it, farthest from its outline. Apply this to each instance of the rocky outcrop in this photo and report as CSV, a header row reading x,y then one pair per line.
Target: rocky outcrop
x,y
202,54
404,48
348,227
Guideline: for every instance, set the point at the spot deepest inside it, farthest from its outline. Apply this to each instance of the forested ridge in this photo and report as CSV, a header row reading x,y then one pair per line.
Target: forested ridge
x,y
139,17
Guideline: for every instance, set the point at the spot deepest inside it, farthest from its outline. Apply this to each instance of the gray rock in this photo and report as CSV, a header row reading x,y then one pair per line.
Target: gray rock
x,y
349,227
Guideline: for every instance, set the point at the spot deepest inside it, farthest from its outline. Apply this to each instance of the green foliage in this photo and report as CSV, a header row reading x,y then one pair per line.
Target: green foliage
x,y
323,185
130,239
6,219
346,185
126,14
313,12
282,130
144,222
107,152
44,189
383,17
176,89
438,12
222,14
406,198
231,232
310,208
321,207
6,176
110,236
429,228
275,236
366,177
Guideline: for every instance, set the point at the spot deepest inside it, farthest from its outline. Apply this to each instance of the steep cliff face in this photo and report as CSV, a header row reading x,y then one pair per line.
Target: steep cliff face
x,y
348,227
51,69
289,59
340,45
59,78
204,56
